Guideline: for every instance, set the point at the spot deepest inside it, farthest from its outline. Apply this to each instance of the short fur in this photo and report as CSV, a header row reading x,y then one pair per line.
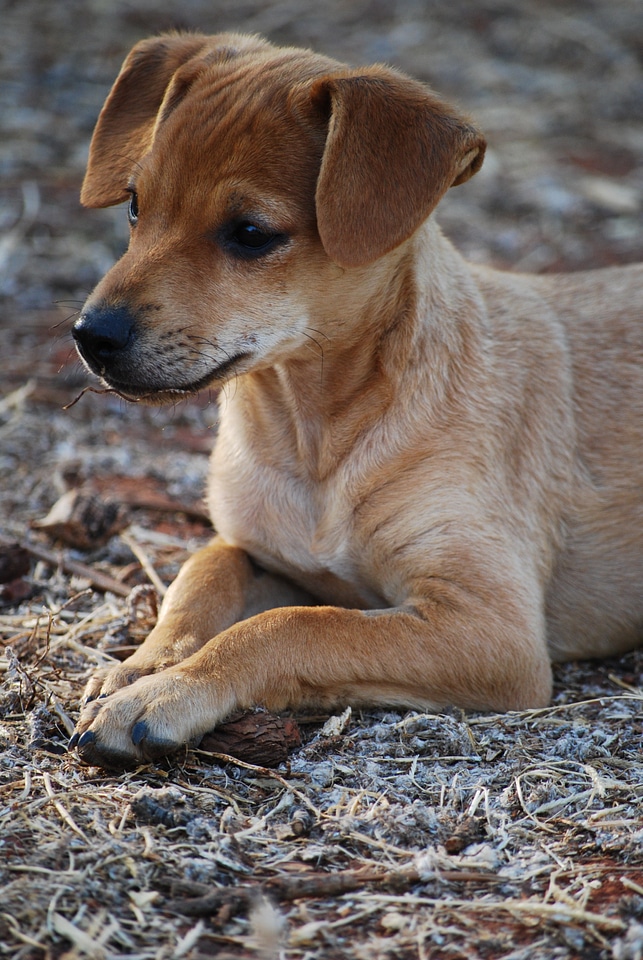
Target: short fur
x,y
427,478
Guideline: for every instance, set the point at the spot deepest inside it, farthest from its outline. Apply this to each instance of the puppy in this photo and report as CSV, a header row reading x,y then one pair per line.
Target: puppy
x,y
426,483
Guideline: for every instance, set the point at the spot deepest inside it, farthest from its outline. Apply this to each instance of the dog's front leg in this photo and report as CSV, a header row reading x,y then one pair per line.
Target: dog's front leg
x,y
208,596
427,654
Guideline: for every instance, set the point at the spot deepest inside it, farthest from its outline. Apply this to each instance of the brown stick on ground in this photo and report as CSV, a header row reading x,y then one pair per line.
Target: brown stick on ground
x,y
223,902
101,581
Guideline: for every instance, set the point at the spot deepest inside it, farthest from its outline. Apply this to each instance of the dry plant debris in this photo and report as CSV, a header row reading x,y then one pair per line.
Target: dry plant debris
x,y
384,835
84,521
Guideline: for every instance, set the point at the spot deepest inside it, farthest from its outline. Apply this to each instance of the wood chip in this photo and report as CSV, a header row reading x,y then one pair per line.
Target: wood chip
x,y
256,737
83,521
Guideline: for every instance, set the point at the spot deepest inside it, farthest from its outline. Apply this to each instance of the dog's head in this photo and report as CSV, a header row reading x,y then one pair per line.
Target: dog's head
x,y
255,177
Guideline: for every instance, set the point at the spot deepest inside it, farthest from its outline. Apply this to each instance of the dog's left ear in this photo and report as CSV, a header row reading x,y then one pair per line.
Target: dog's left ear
x,y
392,150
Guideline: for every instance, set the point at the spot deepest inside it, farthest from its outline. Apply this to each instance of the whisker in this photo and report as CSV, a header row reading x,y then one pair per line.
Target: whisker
x,y
60,323
321,350
213,359
131,160
71,354
319,333
316,342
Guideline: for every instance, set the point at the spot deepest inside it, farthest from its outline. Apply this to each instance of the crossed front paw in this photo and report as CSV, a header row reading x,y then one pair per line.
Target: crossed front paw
x,y
108,680
150,718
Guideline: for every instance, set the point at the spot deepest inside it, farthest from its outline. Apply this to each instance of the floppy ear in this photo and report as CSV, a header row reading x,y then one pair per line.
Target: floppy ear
x,y
392,150
124,130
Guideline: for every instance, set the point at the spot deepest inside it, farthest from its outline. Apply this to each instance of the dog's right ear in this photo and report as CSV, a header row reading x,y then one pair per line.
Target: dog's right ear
x,y
124,130
393,149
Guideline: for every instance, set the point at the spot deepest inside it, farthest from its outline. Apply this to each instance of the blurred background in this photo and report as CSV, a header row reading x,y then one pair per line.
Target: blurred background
x,y
557,86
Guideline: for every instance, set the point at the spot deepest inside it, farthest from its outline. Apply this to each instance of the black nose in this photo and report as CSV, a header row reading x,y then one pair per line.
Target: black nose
x,y
101,333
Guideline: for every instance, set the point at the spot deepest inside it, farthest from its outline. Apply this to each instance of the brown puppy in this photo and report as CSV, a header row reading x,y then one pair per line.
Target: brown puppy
x,y
427,478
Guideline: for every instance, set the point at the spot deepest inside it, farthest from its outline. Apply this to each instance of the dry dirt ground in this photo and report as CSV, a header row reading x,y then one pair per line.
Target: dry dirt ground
x,y
388,834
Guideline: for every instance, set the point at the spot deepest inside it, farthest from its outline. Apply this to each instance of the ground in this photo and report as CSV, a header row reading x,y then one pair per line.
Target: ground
x,y
387,834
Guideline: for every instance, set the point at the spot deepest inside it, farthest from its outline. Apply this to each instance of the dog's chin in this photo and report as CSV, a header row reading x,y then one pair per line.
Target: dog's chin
x,y
149,396
160,394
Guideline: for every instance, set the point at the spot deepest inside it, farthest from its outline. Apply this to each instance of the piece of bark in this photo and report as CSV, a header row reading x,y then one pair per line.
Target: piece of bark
x,y
15,591
256,737
470,830
14,562
82,520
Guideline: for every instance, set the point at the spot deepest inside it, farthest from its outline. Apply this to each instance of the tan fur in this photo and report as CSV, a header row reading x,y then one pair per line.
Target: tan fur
x,y
435,467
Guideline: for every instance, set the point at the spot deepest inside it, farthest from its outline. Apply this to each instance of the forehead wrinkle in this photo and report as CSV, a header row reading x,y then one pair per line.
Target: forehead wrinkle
x,y
226,121
251,89
236,126
256,143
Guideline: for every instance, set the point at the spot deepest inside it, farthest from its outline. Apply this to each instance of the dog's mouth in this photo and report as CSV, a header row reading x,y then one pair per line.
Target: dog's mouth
x,y
149,392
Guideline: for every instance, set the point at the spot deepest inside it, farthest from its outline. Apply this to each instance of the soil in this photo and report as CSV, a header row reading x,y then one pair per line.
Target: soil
x,y
411,835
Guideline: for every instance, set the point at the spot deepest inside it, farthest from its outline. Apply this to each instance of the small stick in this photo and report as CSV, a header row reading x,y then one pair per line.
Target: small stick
x,y
318,886
59,807
161,504
144,561
263,772
101,581
82,393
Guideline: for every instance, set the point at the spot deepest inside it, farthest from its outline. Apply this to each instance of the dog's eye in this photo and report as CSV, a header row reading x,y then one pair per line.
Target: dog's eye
x,y
132,210
246,240
250,236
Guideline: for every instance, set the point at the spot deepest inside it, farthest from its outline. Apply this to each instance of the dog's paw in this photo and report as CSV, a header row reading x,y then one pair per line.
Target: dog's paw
x,y
108,680
152,717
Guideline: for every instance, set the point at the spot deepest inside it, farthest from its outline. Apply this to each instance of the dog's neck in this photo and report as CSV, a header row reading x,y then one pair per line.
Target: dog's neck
x,y
322,399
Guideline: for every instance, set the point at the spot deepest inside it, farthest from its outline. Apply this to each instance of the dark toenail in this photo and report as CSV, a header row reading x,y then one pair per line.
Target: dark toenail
x,y
139,732
73,740
87,737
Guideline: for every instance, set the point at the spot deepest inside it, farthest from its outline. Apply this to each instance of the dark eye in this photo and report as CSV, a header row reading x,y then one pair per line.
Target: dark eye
x,y
132,210
252,237
250,240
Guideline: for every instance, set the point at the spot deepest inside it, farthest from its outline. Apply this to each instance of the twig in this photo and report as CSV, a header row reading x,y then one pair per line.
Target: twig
x,y
157,502
319,886
59,807
560,913
284,889
263,772
102,581
144,561
66,721
636,887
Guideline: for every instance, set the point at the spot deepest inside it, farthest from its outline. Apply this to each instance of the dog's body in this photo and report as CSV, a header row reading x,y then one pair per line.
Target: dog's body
x,y
427,477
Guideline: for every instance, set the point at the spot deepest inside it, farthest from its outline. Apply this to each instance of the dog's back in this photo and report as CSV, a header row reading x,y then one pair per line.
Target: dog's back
x,y
583,333
596,593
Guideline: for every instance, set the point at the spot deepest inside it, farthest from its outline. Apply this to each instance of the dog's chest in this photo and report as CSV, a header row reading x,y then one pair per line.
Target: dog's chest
x,y
292,525
280,518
